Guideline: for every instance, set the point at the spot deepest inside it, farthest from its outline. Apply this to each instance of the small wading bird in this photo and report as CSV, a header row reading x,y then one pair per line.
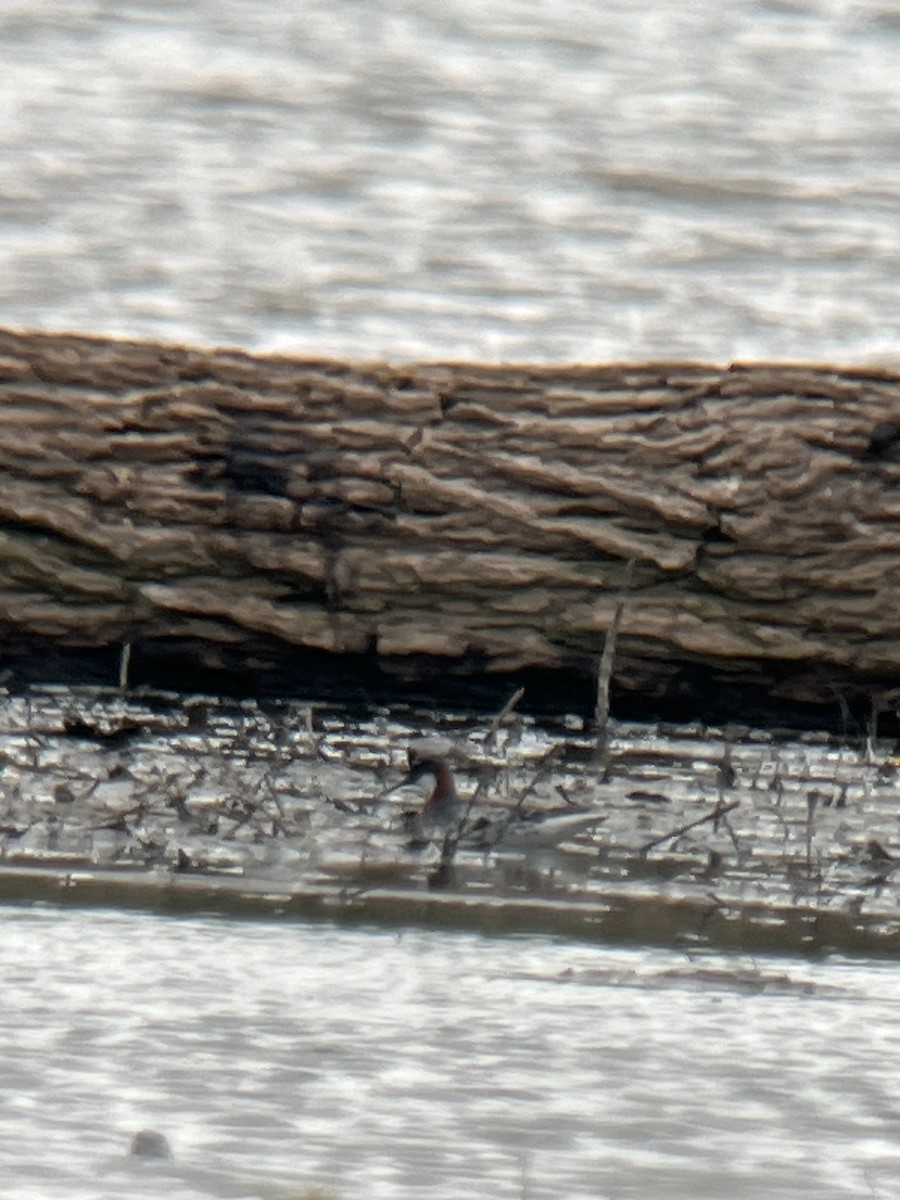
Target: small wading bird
x,y
444,814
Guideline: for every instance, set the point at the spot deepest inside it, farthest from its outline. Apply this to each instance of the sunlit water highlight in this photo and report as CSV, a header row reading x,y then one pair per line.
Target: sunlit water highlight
x,y
276,1056
511,180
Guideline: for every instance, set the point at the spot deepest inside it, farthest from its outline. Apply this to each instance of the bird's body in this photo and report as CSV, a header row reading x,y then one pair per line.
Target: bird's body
x,y
445,815
532,833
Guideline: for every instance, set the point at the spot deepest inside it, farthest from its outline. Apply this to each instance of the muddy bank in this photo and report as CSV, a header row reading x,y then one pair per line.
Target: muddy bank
x,y
703,836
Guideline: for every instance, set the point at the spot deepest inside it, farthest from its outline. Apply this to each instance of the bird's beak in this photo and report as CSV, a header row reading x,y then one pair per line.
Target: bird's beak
x,y
413,775
397,786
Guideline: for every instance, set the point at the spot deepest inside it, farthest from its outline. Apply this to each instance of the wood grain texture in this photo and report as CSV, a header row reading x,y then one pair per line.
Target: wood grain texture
x,y
481,516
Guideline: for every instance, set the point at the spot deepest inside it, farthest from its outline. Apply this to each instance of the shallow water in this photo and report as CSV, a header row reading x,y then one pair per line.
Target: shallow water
x,y
720,838
390,1059
563,182
389,1064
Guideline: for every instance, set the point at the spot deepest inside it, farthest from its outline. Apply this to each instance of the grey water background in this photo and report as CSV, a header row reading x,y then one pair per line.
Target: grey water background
x,y
509,180
392,1065
503,180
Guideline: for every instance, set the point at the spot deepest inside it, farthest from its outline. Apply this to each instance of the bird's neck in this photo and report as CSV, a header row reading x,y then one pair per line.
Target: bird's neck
x,y
444,787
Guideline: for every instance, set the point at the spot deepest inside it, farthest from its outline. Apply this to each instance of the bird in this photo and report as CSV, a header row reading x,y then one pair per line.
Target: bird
x,y
444,815
442,811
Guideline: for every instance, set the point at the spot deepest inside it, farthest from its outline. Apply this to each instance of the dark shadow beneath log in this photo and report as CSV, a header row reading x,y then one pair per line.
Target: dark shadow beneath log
x,y
274,671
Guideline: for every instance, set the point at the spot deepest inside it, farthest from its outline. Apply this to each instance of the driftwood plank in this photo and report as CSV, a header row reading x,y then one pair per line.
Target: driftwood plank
x,y
470,517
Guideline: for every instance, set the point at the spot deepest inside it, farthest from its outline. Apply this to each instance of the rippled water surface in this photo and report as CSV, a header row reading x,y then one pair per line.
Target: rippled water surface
x,y
276,1056
402,179
511,180
414,1054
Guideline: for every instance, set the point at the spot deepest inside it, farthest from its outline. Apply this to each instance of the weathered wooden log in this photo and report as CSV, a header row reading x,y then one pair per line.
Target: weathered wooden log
x,y
228,507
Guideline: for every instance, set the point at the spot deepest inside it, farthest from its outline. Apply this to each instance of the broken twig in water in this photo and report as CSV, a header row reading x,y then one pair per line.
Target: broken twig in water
x,y
543,768
501,716
605,668
716,814
604,673
124,665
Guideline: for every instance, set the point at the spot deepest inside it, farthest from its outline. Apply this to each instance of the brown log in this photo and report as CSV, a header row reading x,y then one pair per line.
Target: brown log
x,y
463,516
